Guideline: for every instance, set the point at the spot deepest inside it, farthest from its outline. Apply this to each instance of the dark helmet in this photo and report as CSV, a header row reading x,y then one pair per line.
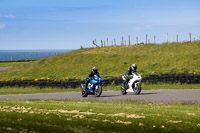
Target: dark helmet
x,y
95,69
134,67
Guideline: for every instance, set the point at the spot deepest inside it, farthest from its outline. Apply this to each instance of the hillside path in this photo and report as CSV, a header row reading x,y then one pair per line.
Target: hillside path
x,y
163,96
4,68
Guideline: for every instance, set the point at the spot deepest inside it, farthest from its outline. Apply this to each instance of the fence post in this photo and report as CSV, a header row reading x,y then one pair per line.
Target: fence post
x,y
146,38
154,39
104,43
93,44
129,40
190,36
114,41
177,38
122,41
125,42
167,38
136,40
101,43
95,41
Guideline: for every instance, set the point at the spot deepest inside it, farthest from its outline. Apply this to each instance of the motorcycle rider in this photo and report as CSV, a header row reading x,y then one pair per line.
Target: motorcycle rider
x,y
91,75
129,73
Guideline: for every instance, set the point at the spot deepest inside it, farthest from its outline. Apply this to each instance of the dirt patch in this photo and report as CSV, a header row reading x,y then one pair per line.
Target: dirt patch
x,y
4,68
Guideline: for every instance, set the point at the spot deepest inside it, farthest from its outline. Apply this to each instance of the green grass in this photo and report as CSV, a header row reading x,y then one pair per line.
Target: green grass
x,y
34,90
113,61
98,116
159,86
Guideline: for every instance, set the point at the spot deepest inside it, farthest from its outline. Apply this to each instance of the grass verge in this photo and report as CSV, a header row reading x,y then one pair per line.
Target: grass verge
x,y
98,116
33,90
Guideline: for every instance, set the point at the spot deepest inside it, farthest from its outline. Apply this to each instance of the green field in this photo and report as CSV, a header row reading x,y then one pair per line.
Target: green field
x,y
98,116
113,61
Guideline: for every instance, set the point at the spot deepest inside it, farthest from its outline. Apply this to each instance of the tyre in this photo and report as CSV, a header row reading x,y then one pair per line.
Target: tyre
x,y
98,90
137,88
123,90
84,92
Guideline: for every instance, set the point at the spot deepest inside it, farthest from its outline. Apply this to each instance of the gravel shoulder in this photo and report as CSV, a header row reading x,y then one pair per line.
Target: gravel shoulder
x,y
162,96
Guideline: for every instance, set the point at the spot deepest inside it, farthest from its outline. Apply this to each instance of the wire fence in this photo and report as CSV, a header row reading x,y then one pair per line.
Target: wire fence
x,y
123,42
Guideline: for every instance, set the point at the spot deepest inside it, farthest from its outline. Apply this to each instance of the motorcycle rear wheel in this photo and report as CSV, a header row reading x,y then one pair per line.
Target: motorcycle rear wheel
x,y
98,90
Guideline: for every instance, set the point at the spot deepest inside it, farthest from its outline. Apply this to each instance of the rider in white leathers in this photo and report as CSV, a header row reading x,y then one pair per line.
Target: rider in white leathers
x,y
129,74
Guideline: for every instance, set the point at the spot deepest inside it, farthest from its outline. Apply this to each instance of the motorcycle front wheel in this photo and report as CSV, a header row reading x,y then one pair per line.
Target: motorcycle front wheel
x,y
84,92
137,88
98,90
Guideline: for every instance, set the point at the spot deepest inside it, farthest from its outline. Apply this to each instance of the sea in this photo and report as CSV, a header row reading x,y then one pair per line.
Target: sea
x,y
29,54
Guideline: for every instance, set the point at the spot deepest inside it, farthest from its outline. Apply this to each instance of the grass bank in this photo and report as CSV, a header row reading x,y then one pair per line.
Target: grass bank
x,y
113,61
92,116
34,90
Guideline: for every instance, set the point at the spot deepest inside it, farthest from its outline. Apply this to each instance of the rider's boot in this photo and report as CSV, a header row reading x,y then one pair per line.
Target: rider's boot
x,y
86,84
124,85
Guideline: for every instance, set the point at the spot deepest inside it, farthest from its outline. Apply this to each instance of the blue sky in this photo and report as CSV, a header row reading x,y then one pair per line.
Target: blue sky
x,y
69,24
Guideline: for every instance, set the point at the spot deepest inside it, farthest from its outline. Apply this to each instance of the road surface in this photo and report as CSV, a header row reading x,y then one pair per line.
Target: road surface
x,y
163,96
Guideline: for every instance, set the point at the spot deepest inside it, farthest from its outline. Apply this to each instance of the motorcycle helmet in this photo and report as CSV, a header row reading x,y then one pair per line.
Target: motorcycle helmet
x,y
134,67
95,69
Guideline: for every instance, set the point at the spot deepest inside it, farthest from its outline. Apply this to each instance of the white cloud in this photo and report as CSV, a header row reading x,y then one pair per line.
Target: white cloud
x,y
7,16
2,26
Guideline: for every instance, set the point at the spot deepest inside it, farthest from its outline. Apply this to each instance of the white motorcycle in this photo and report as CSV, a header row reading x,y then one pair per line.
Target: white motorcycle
x,y
134,84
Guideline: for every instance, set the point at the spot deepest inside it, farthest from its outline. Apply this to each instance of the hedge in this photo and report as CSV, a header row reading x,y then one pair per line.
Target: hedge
x,y
74,83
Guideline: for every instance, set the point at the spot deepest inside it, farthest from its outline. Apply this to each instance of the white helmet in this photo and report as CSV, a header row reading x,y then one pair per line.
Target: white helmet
x,y
134,67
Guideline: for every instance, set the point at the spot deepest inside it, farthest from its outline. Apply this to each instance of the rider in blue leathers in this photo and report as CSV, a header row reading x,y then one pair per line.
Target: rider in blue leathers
x,y
91,76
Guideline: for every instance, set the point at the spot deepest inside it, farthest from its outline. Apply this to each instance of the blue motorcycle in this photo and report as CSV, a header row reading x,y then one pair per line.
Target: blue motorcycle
x,y
94,87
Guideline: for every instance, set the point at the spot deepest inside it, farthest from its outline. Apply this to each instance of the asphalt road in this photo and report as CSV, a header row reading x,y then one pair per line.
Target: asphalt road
x,y
163,96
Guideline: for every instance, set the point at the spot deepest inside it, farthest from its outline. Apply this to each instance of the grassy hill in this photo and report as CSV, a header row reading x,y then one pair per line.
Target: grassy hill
x,y
112,61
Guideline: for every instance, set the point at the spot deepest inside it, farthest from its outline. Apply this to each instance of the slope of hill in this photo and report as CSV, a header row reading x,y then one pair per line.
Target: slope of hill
x,y
113,61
